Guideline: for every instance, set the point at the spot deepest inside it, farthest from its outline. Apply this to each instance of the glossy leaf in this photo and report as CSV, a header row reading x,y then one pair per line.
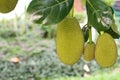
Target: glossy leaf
x,y
49,11
100,16
113,34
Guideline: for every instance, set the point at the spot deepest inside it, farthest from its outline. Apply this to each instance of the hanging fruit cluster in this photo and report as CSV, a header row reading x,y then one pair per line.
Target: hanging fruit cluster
x,y
71,39
70,45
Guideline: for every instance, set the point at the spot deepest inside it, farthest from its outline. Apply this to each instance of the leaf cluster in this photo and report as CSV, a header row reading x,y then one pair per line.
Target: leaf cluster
x,y
100,15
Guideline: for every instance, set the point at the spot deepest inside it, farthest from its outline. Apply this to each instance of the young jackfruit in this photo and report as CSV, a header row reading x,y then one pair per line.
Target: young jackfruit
x,y
106,50
89,52
69,41
7,5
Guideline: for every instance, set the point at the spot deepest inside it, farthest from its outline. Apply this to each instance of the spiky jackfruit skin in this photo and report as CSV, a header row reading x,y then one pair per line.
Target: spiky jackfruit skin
x,y
106,50
89,51
69,41
7,5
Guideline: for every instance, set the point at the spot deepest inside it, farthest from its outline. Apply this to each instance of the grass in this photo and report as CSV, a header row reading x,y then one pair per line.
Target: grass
x,y
105,76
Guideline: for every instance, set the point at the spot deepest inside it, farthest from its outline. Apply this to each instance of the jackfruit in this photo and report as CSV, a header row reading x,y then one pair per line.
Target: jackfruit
x,y
89,51
69,41
7,5
106,50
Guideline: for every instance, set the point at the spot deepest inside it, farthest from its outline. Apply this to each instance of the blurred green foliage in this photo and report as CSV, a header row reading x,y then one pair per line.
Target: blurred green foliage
x,y
110,76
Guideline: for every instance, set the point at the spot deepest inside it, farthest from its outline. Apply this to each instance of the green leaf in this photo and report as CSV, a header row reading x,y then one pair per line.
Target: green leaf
x,y
114,31
49,11
99,14
113,34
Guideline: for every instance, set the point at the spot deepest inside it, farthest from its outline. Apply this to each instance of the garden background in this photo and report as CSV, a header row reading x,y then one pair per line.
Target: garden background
x,y
28,52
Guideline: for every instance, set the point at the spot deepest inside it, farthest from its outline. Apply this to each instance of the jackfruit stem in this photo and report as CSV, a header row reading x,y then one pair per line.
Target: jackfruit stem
x,y
101,32
71,14
90,35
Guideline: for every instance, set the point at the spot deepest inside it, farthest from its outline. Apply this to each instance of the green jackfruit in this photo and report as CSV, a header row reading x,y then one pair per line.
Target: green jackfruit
x,y
89,52
69,41
106,50
7,5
